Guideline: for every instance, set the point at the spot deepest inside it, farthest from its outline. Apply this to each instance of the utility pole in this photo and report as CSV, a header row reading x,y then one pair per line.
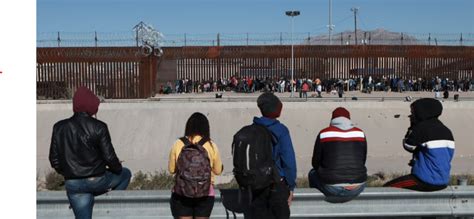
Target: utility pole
x,y
330,26
355,10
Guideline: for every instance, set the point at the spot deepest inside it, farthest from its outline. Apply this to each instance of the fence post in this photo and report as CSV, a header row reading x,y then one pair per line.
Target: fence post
x,y
365,38
95,38
281,38
401,38
342,39
136,36
247,39
218,39
370,36
59,40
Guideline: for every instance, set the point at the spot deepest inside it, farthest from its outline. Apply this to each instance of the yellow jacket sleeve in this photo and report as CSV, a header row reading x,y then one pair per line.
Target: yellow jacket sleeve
x,y
215,157
173,157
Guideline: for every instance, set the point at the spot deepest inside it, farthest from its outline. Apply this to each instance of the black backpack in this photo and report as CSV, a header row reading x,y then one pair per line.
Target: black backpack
x,y
252,149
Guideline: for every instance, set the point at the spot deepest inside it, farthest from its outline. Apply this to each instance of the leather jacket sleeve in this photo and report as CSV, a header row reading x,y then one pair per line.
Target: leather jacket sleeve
x,y
108,152
54,153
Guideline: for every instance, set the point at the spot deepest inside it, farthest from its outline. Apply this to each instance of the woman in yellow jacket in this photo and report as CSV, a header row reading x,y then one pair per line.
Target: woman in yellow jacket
x,y
183,207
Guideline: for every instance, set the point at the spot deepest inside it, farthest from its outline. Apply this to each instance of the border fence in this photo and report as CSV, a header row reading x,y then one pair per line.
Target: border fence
x,y
111,72
128,72
377,37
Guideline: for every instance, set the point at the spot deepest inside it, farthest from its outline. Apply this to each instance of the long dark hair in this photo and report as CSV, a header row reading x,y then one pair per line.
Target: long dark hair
x,y
198,124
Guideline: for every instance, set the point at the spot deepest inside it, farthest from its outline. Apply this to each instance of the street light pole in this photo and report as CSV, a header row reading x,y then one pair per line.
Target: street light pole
x,y
292,57
292,14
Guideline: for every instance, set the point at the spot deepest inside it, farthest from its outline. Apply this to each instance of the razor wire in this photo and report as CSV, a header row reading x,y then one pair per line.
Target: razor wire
x,y
129,38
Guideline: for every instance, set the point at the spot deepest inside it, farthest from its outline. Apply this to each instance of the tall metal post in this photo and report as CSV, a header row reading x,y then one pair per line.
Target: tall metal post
x,y
292,58
355,10
292,14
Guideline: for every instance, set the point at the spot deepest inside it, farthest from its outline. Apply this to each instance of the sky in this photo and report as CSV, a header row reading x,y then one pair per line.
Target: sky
x,y
254,16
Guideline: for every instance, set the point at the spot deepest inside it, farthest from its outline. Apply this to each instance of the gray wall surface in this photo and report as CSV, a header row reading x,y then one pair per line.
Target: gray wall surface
x,y
143,131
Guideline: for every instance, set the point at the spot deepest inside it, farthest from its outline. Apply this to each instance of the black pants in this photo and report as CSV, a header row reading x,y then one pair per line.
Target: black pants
x,y
412,182
271,202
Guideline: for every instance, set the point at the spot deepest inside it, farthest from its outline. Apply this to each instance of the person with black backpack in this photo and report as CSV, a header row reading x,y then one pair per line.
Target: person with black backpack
x,y
264,162
195,160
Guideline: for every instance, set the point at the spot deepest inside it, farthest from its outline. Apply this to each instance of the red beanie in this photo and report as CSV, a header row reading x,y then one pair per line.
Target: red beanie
x,y
85,101
341,111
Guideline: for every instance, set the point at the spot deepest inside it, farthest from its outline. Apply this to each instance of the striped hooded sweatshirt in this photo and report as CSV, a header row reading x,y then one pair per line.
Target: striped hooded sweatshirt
x,y
340,153
430,141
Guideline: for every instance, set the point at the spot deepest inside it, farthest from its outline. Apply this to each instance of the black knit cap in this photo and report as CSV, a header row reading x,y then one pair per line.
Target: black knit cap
x,y
269,104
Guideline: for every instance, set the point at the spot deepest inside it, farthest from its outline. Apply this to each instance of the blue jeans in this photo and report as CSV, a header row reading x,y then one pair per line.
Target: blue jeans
x,y
334,194
81,192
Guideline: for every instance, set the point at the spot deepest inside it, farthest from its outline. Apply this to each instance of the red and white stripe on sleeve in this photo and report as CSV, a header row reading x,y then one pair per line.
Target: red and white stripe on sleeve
x,y
335,134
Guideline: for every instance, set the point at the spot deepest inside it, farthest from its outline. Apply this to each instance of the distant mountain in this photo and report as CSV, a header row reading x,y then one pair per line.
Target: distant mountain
x,y
373,37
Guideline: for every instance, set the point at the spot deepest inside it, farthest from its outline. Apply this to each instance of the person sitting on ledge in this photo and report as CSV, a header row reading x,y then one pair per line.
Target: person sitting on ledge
x,y
338,161
432,145
81,151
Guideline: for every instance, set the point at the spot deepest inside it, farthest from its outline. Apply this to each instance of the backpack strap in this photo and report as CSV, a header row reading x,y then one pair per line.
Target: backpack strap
x,y
185,141
274,138
202,142
276,174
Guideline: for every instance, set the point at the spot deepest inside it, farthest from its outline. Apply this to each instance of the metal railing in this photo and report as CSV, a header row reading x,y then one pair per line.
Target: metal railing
x,y
453,201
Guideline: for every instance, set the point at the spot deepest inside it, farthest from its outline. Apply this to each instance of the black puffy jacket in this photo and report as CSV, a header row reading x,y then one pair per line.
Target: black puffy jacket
x,y
339,155
81,148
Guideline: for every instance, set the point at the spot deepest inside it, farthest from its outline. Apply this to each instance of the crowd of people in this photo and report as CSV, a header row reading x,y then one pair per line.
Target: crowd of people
x,y
264,161
365,84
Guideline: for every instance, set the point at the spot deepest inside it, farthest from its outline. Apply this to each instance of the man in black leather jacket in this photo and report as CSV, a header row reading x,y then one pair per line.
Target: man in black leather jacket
x,y
81,151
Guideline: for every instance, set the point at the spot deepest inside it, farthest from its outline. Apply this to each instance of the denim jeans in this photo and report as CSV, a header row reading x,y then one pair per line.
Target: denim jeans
x,y
334,194
81,192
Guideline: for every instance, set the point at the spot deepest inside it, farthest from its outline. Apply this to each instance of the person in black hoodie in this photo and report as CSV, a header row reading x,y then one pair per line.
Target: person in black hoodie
x,y
432,145
81,151
339,157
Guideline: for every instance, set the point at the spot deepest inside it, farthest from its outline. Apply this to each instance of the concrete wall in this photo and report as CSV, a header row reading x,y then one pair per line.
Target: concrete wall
x,y
143,132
